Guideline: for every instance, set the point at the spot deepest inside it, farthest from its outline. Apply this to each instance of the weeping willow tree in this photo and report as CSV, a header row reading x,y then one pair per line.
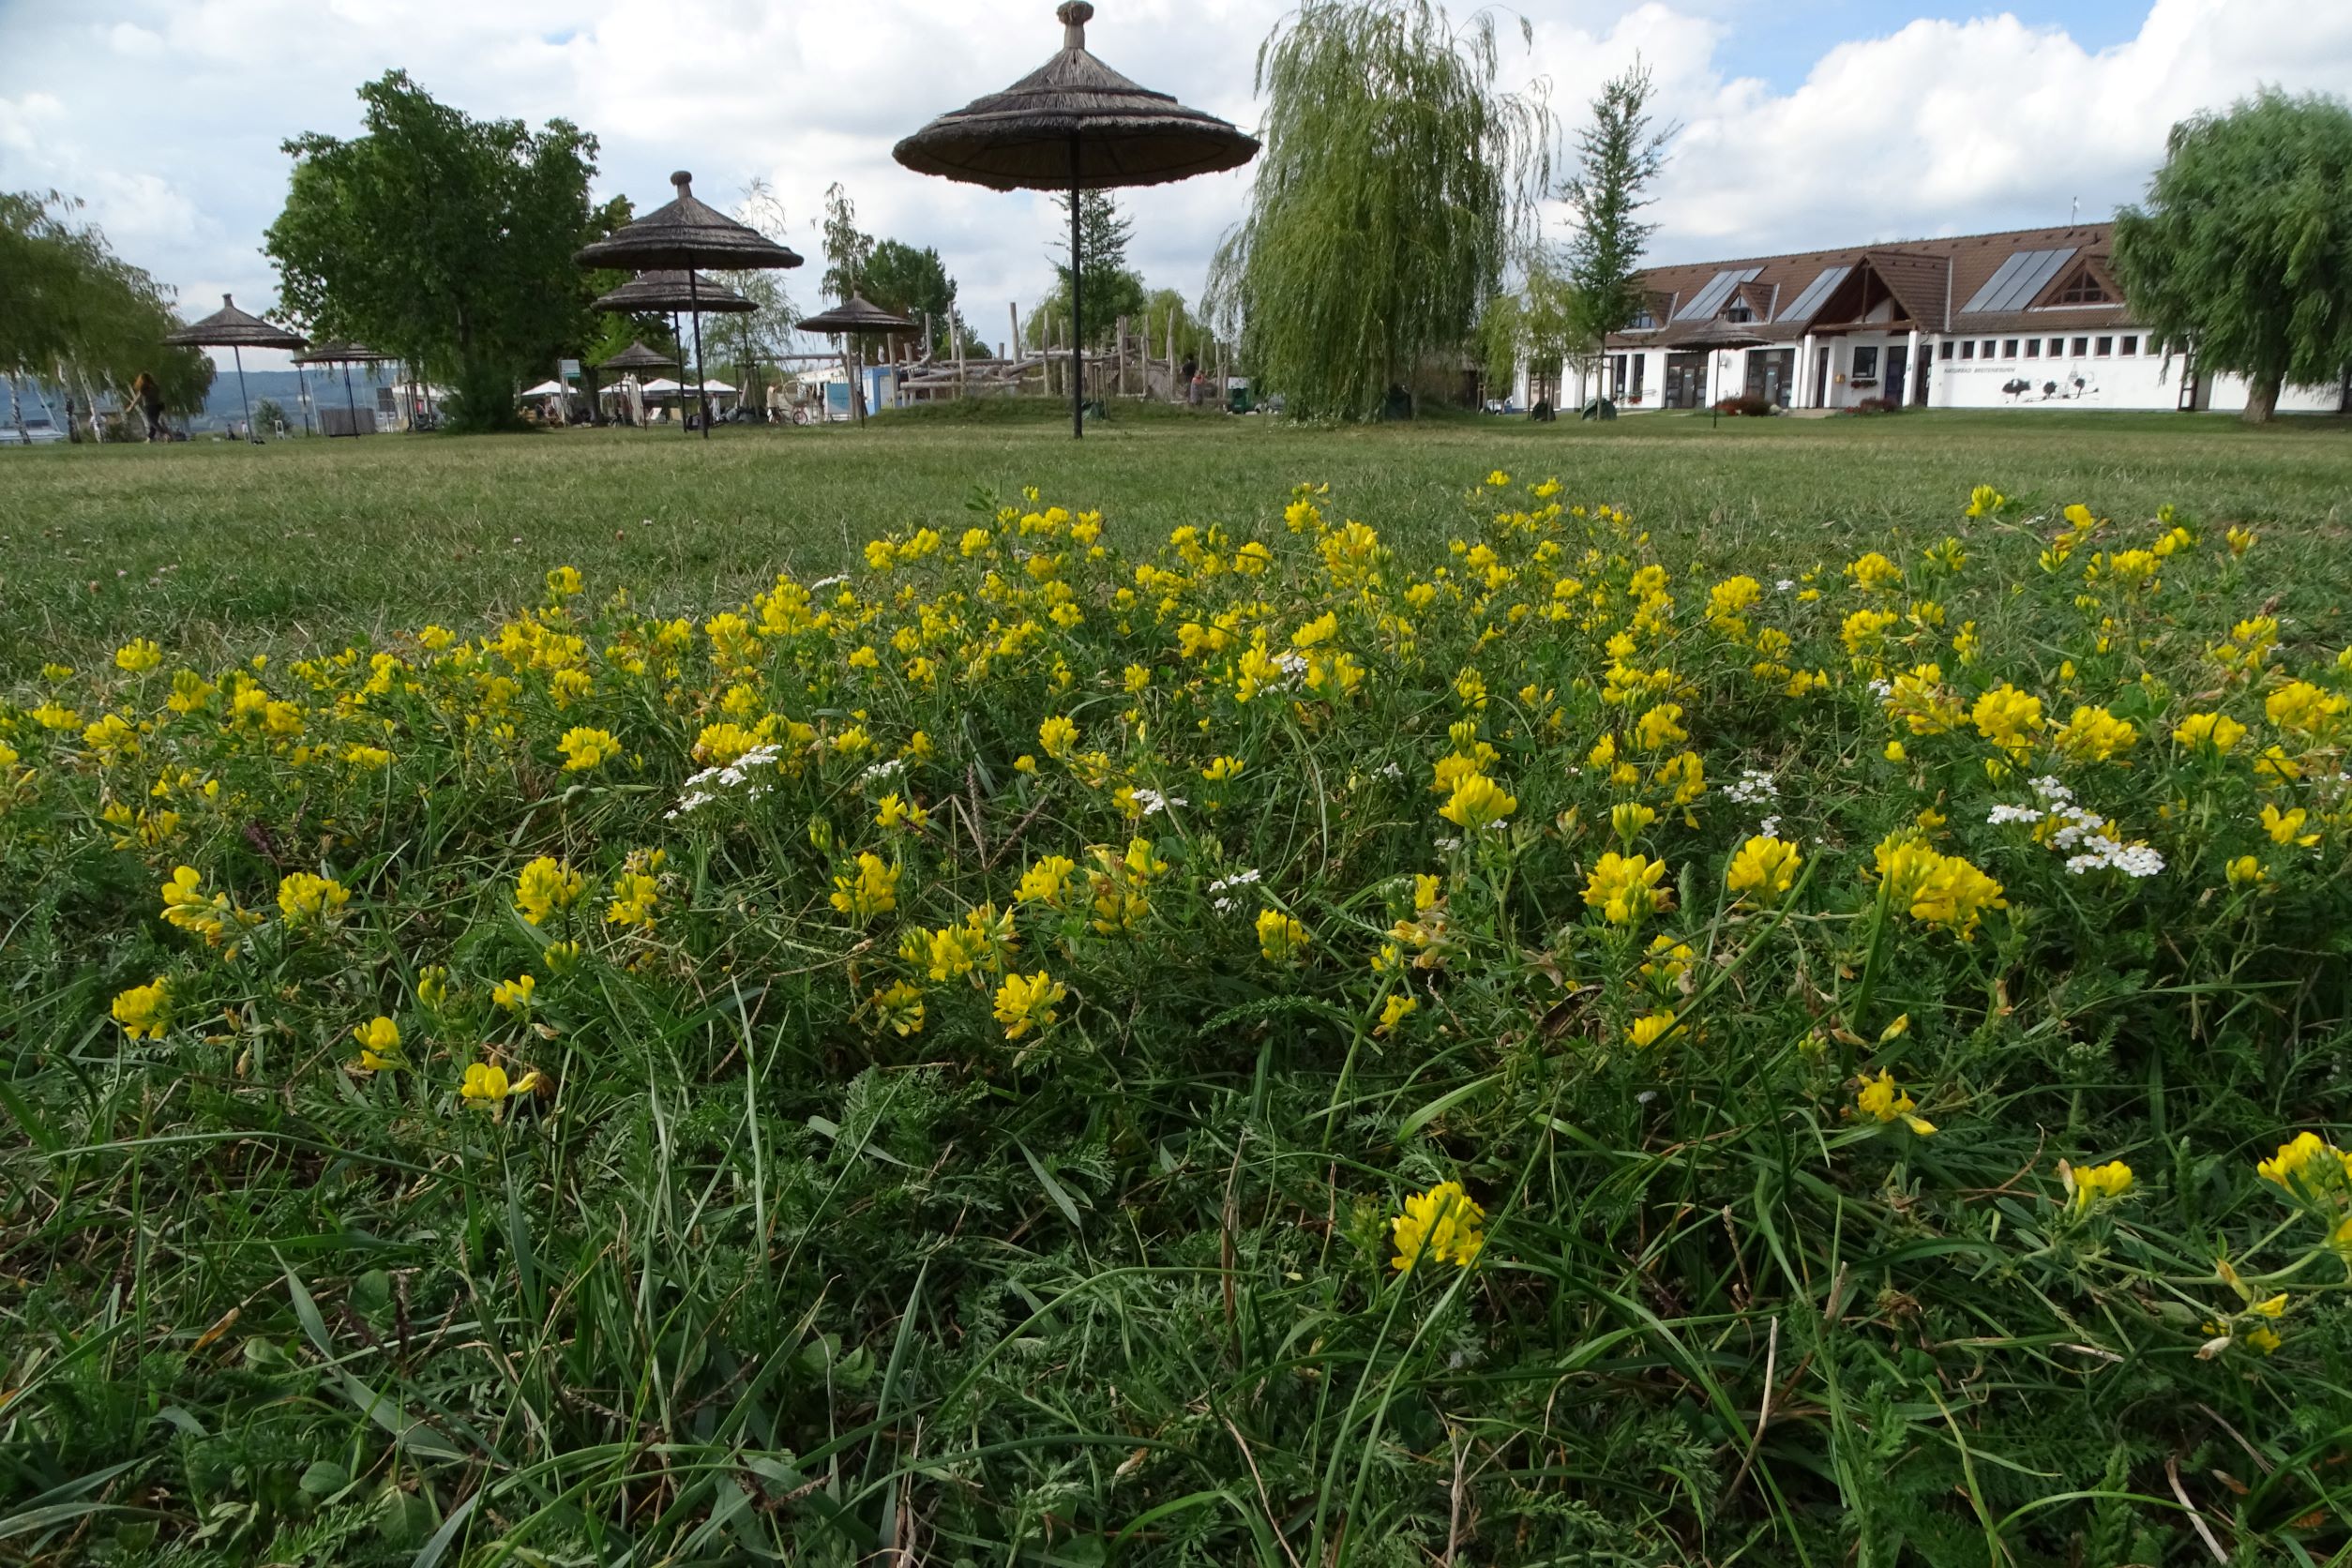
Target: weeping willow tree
x,y
1396,184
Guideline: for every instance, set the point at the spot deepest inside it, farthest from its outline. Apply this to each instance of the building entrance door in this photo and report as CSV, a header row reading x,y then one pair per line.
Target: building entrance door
x,y
1771,374
1686,379
1821,374
1892,385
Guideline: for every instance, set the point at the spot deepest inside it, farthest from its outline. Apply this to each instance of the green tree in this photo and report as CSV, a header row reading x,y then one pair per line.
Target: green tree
x,y
899,277
441,238
1619,158
745,343
846,247
1396,186
2243,252
1111,287
74,313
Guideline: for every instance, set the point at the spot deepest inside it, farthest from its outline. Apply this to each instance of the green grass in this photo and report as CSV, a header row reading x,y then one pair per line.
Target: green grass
x,y
299,545
757,1277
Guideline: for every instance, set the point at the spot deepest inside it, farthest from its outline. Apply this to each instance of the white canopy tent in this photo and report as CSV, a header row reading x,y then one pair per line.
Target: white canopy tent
x,y
548,389
663,386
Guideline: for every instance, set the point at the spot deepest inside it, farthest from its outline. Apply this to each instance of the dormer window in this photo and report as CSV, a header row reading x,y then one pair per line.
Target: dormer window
x,y
1739,313
2082,289
1644,320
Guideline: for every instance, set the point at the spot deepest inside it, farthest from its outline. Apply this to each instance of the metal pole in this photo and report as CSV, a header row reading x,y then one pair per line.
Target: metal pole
x,y
702,398
302,390
249,434
351,400
1077,333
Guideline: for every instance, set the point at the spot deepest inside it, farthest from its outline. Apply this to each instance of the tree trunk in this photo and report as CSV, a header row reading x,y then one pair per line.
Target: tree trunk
x,y
2262,397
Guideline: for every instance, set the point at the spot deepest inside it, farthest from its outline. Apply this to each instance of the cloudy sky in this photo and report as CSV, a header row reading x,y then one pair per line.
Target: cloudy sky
x,y
1805,123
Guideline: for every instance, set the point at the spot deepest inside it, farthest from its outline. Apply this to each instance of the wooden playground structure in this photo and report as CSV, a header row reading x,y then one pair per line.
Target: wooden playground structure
x,y
1130,366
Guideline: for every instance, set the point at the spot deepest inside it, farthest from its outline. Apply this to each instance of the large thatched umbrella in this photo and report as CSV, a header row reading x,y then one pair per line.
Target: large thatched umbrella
x,y
686,234
345,355
1716,337
1074,124
233,329
674,292
848,321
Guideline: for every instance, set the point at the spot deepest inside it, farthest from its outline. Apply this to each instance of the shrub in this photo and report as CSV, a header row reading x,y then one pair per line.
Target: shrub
x,y
1746,404
1874,405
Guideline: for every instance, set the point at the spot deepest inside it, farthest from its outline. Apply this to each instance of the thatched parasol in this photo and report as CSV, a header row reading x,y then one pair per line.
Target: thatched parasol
x,y
673,291
1715,337
235,330
637,356
1074,124
847,321
685,234
345,355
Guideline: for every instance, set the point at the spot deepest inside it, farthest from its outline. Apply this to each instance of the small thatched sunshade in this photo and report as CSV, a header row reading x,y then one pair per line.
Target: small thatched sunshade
x,y
232,328
686,234
637,356
1074,121
672,291
1721,334
342,354
856,314
1074,124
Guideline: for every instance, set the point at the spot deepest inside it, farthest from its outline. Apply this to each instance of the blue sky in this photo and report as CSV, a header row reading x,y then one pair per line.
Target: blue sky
x,y
1805,123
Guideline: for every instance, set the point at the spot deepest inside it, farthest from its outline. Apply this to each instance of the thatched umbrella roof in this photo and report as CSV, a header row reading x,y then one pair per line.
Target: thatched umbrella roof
x,y
1722,334
688,234
637,356
1075,122
342,353
673,291
855,314
232,328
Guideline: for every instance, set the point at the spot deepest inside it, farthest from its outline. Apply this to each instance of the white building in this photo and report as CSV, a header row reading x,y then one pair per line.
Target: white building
x,y
2027,319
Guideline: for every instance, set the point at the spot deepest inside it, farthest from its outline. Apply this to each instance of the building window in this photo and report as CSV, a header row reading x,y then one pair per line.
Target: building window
x,y
2033,348
1943,350
1968,350
2058,347
2107,347
1739,313
1644,320
2083,289
2082,347
1865,363
2008,348
1988,348
2131,346
1639,360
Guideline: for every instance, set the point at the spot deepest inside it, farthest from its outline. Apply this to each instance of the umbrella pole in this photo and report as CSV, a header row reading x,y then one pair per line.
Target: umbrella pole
x,y
302,385
351,399
238,354
702,398
1078,330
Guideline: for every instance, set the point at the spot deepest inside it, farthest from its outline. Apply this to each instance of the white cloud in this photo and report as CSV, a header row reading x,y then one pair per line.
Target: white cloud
x,y
168,113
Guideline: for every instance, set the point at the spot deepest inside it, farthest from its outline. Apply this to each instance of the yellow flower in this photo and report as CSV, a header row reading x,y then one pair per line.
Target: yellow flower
x,y
635,896
2090,1184
1660,728
900,1008
1477,802
302,896
1221,768
1428,890
2240,539
1046,881
2274,1307
2263,1339
486,1083
1024,763
1443,1224
2218,730
2306,1164
1396,1010
2008,718
546,885
1280,938
583,748
57,716
1057,734
146,1011
1651,1027
1874,571
2096,735
891,811
2304,708
1764,869
1882,1100
1026,1002
1984,500
378,1045
1625,888
1895,752
2286,827
1628,819
515,995
872,889
563,582
433,985
138,655
2245,871
1937,889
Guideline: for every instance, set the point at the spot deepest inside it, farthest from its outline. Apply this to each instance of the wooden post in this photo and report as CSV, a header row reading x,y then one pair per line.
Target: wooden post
x,y
956,329
1013,313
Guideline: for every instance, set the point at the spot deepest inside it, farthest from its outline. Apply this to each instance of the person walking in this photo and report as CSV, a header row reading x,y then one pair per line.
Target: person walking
x,y
149,396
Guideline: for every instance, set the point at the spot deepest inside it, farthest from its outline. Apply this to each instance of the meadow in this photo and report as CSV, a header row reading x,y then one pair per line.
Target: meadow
x,y
1636,994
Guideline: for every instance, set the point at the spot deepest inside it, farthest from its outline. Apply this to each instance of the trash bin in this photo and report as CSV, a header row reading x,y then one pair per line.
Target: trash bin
x,y
1237,399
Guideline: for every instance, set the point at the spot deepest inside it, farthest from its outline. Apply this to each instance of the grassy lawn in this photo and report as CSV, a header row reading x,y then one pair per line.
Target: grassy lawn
x,y
301,544
1742,1007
